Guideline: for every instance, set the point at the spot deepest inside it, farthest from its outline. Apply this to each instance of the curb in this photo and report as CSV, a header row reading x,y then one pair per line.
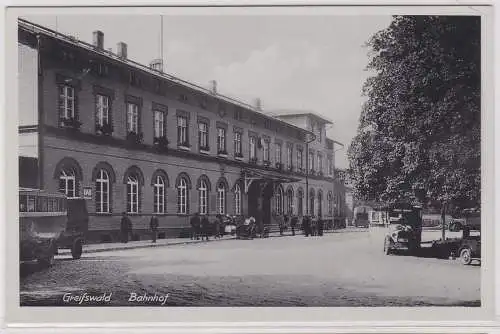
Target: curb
x,y
152,245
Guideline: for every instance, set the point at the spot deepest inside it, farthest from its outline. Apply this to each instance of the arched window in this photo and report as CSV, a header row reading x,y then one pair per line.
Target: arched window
x,y
289,201
203,203
300,203
221,198
103,177
320,204
102,193
330,203
67,183
159,194
133,194
237,199
182,196
279,201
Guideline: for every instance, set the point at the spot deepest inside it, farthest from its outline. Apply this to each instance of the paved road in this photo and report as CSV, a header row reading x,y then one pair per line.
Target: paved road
x,y
338,269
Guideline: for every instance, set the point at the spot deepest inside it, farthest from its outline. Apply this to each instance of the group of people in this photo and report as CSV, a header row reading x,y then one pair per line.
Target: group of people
x,y
201,227
310,225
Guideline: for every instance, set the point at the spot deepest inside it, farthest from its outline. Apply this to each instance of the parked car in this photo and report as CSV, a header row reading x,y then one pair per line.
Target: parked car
x,y
470,248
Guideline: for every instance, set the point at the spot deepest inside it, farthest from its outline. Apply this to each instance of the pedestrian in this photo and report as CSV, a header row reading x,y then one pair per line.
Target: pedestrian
x,y
124,227
195,226
306,224
205,227
320,226
217,225
293,224
153,225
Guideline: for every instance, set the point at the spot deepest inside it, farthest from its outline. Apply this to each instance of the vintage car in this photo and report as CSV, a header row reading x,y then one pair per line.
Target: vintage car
x,y
469,248
404,233
42,220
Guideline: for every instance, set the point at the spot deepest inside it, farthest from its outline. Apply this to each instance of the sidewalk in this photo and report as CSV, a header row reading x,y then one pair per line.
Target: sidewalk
x,y
105,247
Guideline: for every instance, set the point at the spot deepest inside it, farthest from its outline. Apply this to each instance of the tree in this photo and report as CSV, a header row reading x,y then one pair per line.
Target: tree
x,y
419,131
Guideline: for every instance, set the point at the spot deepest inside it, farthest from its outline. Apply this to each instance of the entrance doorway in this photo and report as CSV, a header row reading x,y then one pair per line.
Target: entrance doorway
x,y
259,202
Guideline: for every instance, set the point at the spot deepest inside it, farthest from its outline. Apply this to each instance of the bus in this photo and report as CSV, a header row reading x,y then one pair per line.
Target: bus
x,y
361,216
42,220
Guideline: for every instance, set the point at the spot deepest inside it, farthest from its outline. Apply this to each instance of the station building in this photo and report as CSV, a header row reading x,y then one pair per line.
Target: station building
x,y
131,138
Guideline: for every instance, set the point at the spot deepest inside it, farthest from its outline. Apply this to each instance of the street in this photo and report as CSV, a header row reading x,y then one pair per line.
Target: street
x,y
345,268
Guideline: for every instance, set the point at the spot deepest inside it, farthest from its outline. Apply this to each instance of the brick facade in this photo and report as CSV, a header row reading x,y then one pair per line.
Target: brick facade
x,y
85,151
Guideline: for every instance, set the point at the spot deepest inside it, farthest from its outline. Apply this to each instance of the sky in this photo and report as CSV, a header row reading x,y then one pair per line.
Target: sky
x,y
299,62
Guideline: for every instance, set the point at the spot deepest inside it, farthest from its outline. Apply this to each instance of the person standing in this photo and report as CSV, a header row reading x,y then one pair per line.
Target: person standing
x,y
205,227
195,226
124,227
217,225
320,226
153,225
293,223
286,220
306,223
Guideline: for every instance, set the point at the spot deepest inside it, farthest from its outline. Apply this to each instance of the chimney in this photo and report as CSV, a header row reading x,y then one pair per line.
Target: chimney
x,y
98,39
213,86
121,50
258,104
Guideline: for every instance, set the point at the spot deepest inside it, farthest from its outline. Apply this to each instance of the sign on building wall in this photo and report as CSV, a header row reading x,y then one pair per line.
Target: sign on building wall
x,y
87,192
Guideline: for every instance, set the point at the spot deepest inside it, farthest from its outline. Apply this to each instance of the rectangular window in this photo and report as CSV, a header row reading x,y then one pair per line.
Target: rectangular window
x,y
102,109
278,153
237,144
330,166
159,119
203,136
221,141
320,163
132,117
266,151
182,131
67,101
299,160
253,148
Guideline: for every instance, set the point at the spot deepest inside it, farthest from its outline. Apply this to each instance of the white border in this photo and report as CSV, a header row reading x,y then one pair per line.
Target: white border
x,y
267,319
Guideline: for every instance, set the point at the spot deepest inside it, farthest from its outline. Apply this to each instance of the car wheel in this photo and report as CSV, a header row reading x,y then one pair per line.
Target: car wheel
x,y
76,250
466,256
387,246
